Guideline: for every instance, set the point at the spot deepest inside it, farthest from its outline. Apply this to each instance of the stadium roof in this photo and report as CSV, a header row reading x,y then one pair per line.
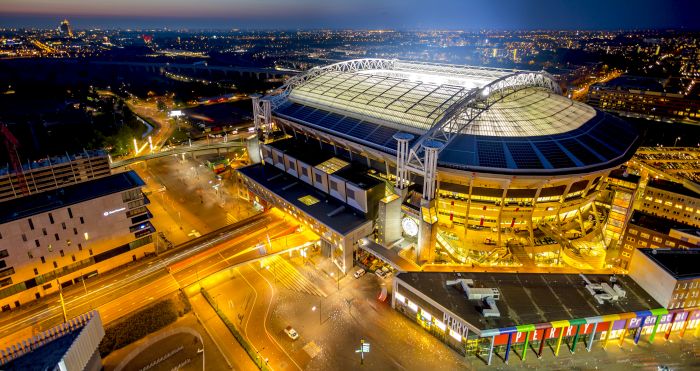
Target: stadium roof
x,y
496,120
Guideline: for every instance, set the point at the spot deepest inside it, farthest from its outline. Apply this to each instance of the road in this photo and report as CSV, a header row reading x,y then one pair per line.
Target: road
x,y
120,291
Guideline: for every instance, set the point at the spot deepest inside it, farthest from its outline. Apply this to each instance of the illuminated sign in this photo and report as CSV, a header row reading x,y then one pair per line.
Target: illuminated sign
x,y
455,325
176,113
110,212
410,227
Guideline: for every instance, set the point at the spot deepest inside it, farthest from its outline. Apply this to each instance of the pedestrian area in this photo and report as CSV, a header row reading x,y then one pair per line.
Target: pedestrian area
x,y
386,255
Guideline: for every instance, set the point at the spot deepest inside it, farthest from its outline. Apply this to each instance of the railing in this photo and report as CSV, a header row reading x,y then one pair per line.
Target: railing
x,y
248,347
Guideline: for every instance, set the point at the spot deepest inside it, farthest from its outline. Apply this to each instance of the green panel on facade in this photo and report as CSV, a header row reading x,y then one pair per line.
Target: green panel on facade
x,y
525,328
578,321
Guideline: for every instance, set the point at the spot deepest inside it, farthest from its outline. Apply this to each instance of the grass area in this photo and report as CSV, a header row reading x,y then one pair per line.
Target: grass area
x,y
144,322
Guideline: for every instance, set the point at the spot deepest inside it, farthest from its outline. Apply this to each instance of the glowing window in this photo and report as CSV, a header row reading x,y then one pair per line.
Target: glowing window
x,y
440,325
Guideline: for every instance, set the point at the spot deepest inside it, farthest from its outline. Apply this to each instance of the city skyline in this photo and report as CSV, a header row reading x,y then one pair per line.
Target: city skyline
x,y
342,185
392,14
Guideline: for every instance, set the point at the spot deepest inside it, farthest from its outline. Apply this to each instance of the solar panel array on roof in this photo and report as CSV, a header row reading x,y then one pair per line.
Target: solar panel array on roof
x,y
523,155
491,154
578,150
379,135
554,154
600,148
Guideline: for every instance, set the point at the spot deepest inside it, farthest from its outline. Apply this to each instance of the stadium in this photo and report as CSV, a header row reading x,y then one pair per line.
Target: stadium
x,y
450,164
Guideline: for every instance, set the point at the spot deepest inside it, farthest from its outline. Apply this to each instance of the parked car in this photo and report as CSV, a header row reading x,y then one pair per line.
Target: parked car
x,y
292,333
360,272
379,272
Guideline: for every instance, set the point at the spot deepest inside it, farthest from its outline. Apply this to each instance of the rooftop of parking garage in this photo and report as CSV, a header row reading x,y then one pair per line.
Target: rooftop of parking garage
x,y
308,151
38,203
682,264
331,212
659,224
673,187
358,177
527,298
622,174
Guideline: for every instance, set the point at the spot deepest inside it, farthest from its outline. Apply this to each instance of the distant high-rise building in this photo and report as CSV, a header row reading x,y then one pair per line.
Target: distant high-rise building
x,y
65,29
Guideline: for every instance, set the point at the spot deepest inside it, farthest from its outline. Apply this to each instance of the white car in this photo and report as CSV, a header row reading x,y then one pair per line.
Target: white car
x,y
379,272
360,272
292,333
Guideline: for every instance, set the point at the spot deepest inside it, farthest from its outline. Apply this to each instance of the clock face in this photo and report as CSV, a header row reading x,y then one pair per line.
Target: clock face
x,y
410,227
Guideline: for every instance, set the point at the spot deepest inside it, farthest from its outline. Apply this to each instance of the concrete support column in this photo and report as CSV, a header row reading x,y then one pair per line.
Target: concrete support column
x,y
431,149
402,140
429,217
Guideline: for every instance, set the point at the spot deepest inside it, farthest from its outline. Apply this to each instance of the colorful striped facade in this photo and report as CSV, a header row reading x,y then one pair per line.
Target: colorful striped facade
x,y
474,337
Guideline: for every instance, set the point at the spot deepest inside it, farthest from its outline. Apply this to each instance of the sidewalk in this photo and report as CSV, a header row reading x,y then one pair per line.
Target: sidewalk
x,y
218,331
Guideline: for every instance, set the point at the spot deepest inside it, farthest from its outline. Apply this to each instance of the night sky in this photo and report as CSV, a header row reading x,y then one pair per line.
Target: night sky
x,y
359,14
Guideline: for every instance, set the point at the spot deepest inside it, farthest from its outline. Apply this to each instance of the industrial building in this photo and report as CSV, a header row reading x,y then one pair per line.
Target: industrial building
x,y
474,162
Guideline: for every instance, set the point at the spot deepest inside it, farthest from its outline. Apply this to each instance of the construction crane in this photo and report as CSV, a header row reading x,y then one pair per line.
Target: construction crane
x,y
11,144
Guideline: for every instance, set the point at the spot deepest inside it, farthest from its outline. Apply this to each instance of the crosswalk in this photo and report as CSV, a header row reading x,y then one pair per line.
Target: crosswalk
x,y
285,274
230,219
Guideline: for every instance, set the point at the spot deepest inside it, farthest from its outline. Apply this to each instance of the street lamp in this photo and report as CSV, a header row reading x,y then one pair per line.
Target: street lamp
x,y
676,141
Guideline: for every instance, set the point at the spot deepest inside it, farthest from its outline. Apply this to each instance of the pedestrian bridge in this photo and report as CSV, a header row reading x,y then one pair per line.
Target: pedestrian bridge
x,y
177,151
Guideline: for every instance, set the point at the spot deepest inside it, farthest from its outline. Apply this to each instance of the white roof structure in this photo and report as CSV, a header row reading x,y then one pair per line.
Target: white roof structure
x,y
484,118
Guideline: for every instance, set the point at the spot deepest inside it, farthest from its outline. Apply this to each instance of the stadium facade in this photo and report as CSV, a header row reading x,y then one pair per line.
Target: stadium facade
x,y
469,151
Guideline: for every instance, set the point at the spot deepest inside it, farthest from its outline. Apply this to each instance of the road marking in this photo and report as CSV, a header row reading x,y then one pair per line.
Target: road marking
x,y
272,298
247,317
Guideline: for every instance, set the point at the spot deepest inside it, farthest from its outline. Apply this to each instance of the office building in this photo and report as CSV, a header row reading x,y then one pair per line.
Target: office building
x,y
65,235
